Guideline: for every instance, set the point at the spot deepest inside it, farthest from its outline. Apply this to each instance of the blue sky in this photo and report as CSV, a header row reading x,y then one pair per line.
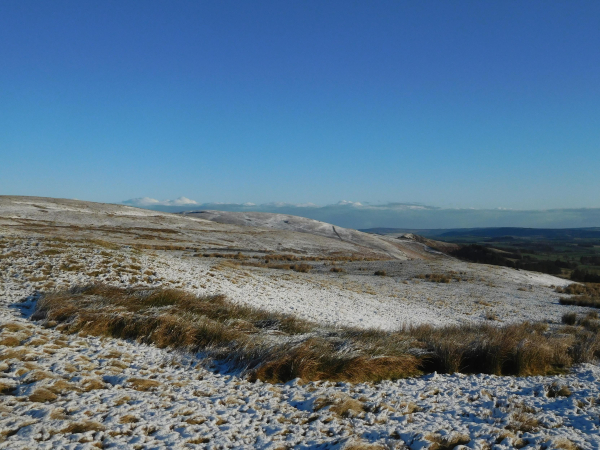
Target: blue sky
x,y
453,104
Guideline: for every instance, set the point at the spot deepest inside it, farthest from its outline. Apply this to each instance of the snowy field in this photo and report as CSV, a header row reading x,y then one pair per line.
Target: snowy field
x,y
83,392
69,391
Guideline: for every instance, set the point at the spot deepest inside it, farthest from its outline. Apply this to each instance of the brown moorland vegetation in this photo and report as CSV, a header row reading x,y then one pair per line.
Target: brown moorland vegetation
x,y
277,347
587,294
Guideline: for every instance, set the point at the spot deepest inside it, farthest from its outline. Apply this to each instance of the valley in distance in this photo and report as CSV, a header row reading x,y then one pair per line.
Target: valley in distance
x,y
130,328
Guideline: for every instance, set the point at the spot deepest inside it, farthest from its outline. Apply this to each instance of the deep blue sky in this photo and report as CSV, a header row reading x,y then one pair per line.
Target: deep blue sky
x,y
454,104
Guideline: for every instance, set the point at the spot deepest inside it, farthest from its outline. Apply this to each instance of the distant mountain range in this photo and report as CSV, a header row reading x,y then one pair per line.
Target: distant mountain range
x,y
411,216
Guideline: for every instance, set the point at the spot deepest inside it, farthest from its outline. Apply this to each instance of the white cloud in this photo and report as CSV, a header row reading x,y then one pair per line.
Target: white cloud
x,y
147,201
348,203
182,201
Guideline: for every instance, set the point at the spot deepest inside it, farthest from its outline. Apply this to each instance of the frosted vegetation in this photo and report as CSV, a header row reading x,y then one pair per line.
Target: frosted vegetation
x,y
122,336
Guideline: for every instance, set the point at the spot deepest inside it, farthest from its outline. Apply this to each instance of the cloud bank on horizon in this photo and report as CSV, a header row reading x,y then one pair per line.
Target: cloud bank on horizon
x,y
394,215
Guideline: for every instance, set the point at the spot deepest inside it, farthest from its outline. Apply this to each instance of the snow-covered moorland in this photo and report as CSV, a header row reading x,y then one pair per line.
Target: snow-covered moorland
x,y
70,391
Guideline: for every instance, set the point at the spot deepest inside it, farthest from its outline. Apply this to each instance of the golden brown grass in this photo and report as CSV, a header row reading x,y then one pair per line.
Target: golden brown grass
x,y
359,445
143,384
42,395
523,422
10,341
5,387
198,440
91,384
341,405
62,386
13,327
587,294
440,442
129,418
565,444
83,427
38,375
244,337
439,277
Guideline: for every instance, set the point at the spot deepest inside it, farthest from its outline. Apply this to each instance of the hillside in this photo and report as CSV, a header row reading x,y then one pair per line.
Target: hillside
x,y
126,328
127,225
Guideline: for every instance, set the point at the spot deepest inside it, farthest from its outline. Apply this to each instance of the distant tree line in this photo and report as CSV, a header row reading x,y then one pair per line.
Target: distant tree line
x,y
484,255
590,260
584,276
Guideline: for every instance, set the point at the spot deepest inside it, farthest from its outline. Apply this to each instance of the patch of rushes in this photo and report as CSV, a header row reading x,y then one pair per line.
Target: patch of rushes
x,y
276,347
269,258
587,294
439,277
295,267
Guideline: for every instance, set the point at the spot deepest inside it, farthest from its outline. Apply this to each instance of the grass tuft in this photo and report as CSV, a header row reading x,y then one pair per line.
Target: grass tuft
x,y
42,395
587,294
143,384
440,442
83,427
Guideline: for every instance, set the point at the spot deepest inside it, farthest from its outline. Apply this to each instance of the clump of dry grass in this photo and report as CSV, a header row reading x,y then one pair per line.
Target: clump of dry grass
x,y
129,418
522,422
341,405
42,395
516,349
439,277
361,445
62,386
92,384
10,341
13,327
143,384
318,359
565,444
337,270
304,268
440,442
557,390
198,440
83,427
587,294
6,388
569,318
300,267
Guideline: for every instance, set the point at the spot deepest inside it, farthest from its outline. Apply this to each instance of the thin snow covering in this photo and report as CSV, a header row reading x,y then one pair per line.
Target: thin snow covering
x,y
194,404
95,218
300,224
359,299
100,400
355,298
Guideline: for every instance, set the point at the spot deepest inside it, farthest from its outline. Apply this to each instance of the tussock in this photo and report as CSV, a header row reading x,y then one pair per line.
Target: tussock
x,y
83,427
342,405
10,341
440,442
91,384
438,277
587,294
143,384
42,395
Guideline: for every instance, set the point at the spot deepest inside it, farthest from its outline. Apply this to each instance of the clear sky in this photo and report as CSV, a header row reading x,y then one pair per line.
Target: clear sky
x,y
449,103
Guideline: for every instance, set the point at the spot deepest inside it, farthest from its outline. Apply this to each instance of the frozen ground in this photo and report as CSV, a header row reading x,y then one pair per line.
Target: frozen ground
x,y
353,298
84,393
62,391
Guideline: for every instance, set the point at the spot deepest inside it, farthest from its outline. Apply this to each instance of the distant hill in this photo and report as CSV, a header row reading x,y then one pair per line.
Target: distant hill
x,y
541,233
286,222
